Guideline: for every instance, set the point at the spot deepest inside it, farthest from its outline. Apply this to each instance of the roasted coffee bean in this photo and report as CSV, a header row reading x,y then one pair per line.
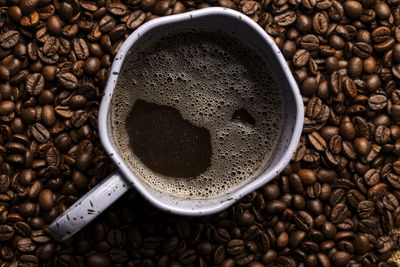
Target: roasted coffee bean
x,y
77,102
79,179
30,20
335,82
35,84
301,58
106,23
7,253
117,9
349,87
40,133
27,209
28,260
347,130
48,115
285,19
361,145
51,46
365,208
382,10
219,255
296,238
394,180
9,39
4,73
63,111
6,107
390,202
81,49
314,108
307,176
83,161
26,245
377,102
68,81
320,22
98,259
4,183
46,201
337,196
6,232
335,144
377,190
355,67
372,177
275,206
235,247
317,141
339,213
353,9
361,243
28,6
369,65
46,252
39,236
135,19
340,258
282,240
52,157
382,134
26,176
91,65
304,220
114,237
23,229
380,34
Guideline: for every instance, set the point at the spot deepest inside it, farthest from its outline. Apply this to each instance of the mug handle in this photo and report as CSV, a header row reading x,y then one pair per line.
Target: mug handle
x,y
89,206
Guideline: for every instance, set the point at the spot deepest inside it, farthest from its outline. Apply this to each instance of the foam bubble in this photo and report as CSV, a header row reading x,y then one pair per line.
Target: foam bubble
x,y
207,77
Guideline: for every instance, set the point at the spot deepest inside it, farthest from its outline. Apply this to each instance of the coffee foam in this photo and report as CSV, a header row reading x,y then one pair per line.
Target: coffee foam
x,y
207,77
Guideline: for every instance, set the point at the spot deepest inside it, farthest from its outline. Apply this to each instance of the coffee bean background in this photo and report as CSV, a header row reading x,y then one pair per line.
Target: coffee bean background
x,y
335,204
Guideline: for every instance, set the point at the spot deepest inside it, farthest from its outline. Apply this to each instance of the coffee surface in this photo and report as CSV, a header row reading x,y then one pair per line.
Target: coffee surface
x,y
165,142
205,85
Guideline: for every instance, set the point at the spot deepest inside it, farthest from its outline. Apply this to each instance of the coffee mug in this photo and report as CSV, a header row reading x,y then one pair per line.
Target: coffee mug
x,y
111,188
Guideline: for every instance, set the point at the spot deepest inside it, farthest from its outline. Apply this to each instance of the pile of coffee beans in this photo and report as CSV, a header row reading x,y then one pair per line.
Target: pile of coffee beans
x,y
335,204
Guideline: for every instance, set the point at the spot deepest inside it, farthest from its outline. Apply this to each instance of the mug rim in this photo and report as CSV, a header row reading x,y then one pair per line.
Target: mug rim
x,y
105,136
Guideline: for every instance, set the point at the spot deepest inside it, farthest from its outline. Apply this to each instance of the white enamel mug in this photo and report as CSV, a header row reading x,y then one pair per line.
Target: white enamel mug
x,y
110,189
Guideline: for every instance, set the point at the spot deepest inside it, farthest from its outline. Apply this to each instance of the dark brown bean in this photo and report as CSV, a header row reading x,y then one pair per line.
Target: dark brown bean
x,y
301,58
135,19
26,245
6,232
353,9
304,220
35,84
9,39
98,259
40,133
341,258
382,10
46,201
68,80
235,247
48,115
92,65
54,24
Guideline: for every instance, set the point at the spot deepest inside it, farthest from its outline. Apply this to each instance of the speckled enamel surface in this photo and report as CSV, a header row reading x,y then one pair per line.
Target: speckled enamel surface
x,y
89,206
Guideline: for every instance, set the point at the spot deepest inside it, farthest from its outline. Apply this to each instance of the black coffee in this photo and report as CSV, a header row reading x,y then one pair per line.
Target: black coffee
x,y
165,142
198,105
